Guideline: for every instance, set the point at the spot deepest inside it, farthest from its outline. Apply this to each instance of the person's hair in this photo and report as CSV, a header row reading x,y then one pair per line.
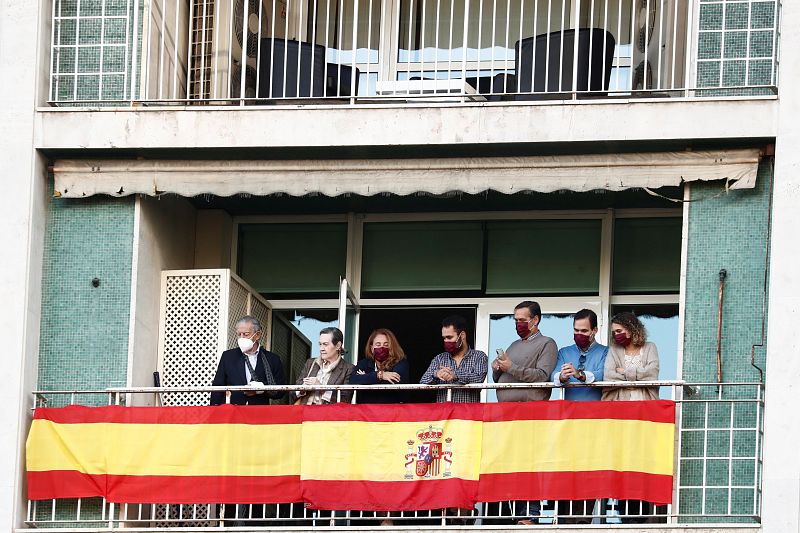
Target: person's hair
x,y
586,313
458,322
533,308
634,326
337,337
249,319
396,353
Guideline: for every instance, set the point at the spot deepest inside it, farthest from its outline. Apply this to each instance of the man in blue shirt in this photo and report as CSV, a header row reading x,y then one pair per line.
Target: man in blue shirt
x,y
583,362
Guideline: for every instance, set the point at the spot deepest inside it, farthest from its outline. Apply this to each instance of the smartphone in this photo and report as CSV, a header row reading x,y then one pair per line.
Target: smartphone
x,y
500,353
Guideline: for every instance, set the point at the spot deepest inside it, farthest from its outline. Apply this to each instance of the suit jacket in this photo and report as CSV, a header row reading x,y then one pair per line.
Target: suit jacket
x,y
339,376
230,371
649,372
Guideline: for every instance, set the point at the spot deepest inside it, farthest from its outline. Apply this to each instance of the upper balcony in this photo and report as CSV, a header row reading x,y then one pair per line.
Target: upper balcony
x,y
237,53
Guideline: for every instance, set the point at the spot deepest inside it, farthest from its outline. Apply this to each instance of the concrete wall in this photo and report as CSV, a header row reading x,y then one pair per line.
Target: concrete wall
x,y
165,240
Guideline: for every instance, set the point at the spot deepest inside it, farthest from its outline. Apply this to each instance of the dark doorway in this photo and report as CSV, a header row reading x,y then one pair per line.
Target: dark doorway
x,y
419,332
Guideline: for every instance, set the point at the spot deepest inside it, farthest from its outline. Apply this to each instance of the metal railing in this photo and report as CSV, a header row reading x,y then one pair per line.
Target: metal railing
x,y
717,476
238,52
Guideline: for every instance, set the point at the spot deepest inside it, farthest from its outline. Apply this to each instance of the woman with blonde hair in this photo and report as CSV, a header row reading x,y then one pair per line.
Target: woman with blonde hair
x,y
384,363
631,358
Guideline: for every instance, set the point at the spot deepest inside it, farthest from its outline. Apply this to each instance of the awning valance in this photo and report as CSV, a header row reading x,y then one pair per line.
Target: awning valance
x,y
81,178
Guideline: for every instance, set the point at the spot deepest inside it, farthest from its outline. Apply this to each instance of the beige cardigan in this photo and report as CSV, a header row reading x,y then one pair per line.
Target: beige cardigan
x,y
649,371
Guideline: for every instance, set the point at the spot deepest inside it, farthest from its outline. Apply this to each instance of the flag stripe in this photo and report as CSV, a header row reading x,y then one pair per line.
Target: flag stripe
x,y
166,449
377,451
382,413
390,495
165,489
575,486
221,414
582,444
652,411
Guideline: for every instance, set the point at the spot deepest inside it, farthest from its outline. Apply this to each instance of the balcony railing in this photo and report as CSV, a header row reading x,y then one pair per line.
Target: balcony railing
x,y
239,52
717,478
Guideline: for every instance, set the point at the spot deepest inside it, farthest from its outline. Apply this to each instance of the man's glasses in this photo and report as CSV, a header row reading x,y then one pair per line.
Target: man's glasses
x,y
581,361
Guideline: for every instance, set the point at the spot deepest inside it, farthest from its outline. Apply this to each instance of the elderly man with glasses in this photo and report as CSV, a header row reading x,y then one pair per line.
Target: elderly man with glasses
x,y
248,364
581,362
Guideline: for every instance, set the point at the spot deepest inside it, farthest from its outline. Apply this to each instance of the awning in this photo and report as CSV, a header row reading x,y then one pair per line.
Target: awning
x,y
614,172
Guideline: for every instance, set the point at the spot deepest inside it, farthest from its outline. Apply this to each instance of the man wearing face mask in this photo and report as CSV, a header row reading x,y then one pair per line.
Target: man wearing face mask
x,y
530,359
248,364
582,362
458,364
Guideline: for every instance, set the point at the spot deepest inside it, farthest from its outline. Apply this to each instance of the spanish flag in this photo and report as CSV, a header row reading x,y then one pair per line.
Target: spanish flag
x,y
359,457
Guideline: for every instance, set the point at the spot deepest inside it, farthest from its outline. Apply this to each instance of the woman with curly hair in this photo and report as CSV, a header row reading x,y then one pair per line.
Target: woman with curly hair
x,y
384,363
630,358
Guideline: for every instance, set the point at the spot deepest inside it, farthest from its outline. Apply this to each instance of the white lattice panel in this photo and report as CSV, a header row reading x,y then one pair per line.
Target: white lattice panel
x,y
184,515
238,303
262,313
199,311
190,346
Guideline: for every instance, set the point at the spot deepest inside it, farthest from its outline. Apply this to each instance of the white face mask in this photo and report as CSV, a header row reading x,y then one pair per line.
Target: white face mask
x,y
245,344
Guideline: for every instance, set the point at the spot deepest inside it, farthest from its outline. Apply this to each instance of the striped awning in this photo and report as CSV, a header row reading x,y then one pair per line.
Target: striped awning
x,y
78,178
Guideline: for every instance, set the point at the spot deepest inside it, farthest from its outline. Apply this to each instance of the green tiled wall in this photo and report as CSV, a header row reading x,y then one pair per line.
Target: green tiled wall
x,y
84,329
730,231
736,42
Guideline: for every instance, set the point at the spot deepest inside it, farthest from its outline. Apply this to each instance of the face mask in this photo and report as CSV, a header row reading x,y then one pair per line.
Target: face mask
x,y
523,329
622,339
583,341
245,344
452,347
380,353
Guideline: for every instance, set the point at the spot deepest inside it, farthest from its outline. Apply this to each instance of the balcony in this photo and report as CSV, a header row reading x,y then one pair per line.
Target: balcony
x,y
716,477
356,52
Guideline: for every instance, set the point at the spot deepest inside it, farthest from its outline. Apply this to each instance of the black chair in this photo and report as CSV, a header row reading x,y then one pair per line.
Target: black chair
x,y
296,69
544,64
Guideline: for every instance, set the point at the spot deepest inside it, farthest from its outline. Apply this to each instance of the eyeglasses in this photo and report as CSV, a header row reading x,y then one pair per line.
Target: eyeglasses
x,y
581,361
245,334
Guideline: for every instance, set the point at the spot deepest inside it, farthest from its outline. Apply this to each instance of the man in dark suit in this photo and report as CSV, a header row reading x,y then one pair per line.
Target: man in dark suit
x,y
249,363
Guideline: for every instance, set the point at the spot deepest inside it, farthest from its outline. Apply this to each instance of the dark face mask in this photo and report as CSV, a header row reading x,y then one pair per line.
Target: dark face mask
x,y
452,347
523,329
380,353
583,341
622,339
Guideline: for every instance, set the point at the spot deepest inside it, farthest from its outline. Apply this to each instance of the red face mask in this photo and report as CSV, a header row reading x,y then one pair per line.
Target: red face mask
x,y
583,341
523,329
452,347
381,353
622,339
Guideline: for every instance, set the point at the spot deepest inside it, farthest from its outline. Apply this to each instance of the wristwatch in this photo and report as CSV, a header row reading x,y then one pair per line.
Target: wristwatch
x,y
582,375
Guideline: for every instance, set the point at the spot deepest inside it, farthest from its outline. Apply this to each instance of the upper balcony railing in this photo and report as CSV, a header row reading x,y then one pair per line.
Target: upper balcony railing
x,y
718,459
239,52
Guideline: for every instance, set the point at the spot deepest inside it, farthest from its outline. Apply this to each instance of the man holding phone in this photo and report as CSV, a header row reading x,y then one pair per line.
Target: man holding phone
x,y
531,359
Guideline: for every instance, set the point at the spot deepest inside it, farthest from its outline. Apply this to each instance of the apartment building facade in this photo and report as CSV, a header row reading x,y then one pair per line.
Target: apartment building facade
x,y
384,163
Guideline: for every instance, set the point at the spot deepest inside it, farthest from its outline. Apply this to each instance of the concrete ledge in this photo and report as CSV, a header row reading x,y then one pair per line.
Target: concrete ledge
x,y
197,127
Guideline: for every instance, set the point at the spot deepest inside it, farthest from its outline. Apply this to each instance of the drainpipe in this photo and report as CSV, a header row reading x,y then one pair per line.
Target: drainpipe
x,y
722,275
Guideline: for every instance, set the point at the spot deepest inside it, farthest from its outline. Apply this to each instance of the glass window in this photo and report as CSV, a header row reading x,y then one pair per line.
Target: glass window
x,y
295,336
543,257
280,259
647,255
422,256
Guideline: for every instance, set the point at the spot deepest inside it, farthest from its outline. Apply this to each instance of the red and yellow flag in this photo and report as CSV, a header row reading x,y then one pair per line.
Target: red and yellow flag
x,y
361,457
